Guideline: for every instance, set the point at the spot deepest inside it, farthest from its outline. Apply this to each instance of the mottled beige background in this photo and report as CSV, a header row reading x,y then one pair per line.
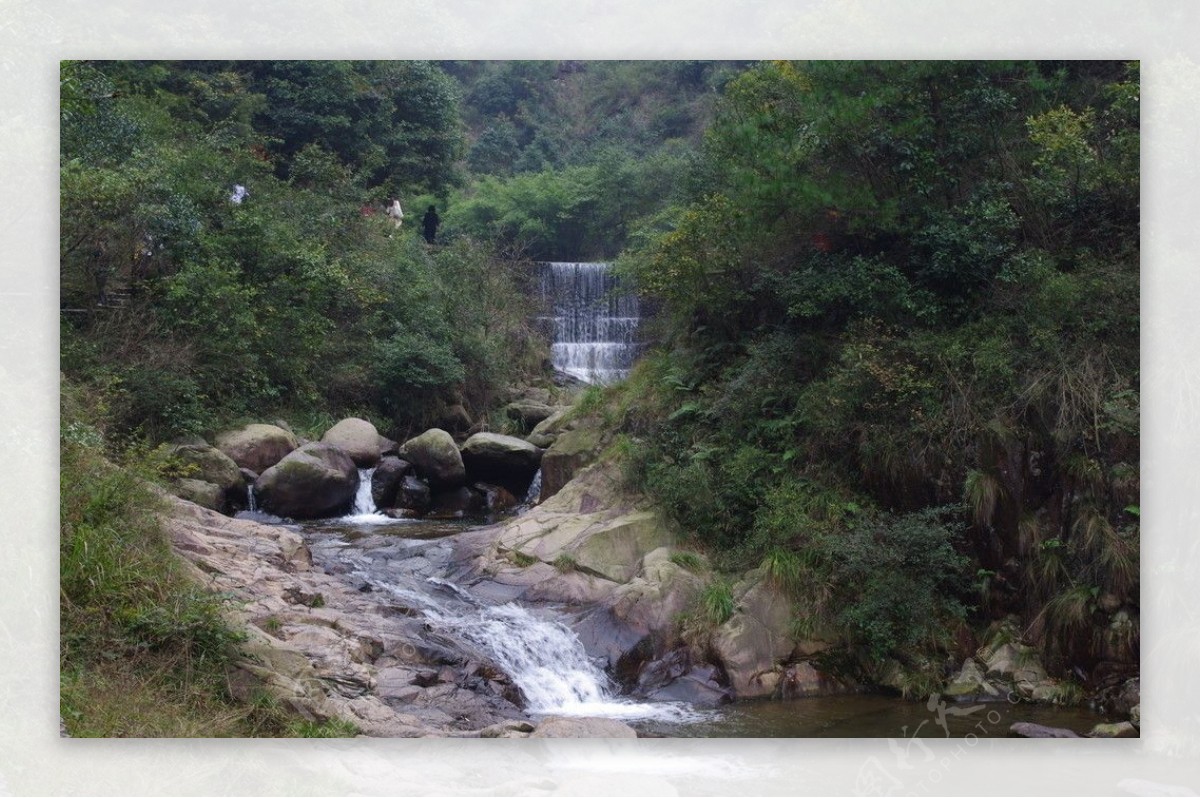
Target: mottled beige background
x,y
34,34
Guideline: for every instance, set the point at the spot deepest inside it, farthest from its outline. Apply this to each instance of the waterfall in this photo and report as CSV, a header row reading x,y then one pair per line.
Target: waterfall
x,y
364,510
251,500
594,322
543,657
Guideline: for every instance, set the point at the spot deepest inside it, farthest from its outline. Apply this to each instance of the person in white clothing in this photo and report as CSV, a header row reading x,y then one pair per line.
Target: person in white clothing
x,y
396,213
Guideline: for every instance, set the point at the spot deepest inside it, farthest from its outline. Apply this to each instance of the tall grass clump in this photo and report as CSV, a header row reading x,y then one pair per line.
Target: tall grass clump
x,y
145,652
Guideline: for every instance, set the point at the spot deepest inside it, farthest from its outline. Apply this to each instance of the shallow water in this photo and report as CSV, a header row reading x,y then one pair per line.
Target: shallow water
x,y
877,716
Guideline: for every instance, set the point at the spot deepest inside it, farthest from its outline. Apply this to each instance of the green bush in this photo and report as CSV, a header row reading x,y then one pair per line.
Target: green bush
x,y
896,581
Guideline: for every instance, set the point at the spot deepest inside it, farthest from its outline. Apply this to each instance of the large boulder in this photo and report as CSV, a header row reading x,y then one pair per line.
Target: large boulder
x,y
972,682
572,450
754,641
210,465
455,419
315,481
386,480
651,602
413,494
528,414
610,548
548,430
635,622
501,460
436,458
205,494
257,446
1019,665
591,524
357,438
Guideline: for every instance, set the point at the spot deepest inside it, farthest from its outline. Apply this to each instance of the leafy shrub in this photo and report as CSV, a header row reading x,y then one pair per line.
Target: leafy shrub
x,y
896,580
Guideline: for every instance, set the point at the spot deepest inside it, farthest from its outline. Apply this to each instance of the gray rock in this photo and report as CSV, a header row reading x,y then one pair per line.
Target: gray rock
x,y
501,460
1128,697
387,480
413,494
455,420
209,464
583,727
1036,730
1020,666
527,413
752,643
205,494
357,438
971,681
572,450
315,481
674,677
257,446
1122,729
508,729
697,687
436,458
548,430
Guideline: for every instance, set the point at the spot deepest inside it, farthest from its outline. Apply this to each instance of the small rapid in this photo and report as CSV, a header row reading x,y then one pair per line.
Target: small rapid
x,y
543,657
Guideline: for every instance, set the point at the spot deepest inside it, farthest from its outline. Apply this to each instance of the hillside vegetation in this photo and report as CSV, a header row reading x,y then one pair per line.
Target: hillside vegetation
x,y
899,351
894,349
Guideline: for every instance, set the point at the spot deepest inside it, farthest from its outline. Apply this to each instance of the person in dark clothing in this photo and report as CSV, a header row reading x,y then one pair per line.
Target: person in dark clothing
x,y
430,222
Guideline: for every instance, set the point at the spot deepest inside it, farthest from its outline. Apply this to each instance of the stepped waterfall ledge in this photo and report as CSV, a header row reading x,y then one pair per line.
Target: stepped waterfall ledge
x,y
594,321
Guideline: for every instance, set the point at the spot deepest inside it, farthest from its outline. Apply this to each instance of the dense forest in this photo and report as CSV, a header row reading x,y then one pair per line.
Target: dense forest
x,y
894,356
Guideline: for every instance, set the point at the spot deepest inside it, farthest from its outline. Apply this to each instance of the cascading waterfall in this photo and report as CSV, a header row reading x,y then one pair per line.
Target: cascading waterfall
x,y
251,499
594,322
544,658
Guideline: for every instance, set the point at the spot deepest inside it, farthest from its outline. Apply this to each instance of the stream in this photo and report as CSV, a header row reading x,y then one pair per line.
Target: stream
x,y
412,561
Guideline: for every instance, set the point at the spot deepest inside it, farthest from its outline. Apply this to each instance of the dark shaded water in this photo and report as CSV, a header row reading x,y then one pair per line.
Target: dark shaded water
x,y
413,551
878,716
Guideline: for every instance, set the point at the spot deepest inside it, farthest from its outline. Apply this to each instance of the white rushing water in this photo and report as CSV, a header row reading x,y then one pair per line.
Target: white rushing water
x,y
543,657
364,510
594,322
